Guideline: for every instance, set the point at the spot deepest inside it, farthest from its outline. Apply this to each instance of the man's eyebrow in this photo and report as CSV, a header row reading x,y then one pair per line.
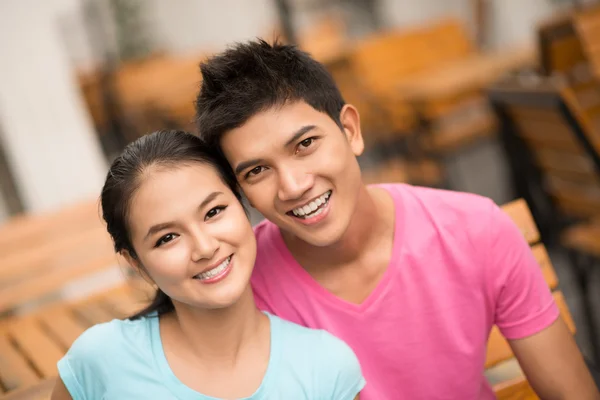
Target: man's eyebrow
x,y
246,164
298,134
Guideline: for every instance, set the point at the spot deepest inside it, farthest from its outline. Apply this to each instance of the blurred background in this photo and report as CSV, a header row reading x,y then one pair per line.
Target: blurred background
x,y
495,97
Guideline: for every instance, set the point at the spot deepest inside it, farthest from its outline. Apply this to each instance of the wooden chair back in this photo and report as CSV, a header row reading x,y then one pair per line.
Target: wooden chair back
x,y
558,141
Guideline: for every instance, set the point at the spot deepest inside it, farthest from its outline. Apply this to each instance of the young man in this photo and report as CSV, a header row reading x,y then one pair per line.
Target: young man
x,y
413,279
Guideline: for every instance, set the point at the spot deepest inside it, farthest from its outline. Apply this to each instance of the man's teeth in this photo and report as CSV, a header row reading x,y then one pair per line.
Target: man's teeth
x,y
215,271
313,208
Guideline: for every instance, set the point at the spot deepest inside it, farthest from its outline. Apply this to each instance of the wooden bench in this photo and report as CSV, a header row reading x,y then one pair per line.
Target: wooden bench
x,y
31,345
44,256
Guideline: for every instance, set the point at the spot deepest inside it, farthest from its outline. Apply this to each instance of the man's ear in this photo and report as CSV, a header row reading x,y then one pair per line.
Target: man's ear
x,y
350,119
137,266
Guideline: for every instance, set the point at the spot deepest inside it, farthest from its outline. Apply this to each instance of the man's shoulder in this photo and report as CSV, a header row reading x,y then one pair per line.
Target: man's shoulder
x,y
440,203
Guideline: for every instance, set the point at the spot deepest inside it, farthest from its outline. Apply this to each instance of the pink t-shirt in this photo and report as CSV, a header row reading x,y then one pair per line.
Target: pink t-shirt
x,y
459,265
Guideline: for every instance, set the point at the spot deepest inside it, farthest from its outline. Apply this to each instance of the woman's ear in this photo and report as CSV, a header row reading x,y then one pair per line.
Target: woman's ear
x,y
137,266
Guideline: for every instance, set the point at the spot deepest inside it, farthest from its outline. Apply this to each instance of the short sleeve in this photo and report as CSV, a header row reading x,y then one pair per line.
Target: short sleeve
x,y
524,304
341,377
81,369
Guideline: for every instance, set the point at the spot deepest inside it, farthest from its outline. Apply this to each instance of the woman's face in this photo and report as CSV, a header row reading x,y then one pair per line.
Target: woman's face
x,y
191,235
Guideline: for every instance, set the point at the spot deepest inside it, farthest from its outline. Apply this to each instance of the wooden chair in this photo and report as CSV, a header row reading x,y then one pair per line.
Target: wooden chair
x,y
551,146
500,362
553,154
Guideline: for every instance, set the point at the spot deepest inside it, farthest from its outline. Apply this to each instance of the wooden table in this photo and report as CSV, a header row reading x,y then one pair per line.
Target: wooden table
x,y
472,73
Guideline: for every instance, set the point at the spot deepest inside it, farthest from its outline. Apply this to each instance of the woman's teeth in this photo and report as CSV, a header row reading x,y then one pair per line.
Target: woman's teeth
x,y
215,271
313,208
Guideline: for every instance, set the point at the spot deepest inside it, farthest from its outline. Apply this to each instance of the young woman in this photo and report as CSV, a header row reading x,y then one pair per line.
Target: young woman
x,y
176,216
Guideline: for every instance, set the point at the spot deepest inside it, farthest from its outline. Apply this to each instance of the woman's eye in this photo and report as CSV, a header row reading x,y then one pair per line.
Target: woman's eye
x,y
255,171
165,239
214,211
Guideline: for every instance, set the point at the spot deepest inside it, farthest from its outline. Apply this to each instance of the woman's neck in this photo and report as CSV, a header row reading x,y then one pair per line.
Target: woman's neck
x,y
215,336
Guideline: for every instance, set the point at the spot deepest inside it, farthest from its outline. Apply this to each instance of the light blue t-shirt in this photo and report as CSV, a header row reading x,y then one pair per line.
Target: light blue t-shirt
x,y
125,360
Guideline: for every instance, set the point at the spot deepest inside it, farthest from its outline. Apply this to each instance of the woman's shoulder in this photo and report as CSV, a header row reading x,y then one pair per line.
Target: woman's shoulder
x,y
104,339
105,352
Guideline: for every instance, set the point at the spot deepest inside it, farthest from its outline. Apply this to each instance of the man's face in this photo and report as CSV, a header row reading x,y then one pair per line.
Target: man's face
x,y
298,169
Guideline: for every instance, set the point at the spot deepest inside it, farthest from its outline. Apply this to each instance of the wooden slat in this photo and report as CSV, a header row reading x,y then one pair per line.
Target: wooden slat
x,y
520,214
65,251
60,322
37,345
14,369
53,279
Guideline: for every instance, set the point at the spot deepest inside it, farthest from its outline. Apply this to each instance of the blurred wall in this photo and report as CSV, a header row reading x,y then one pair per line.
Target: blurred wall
x,y
510,22
193,25
46,131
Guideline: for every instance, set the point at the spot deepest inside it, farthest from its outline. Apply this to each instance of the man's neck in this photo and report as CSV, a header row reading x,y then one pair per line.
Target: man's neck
x,y
372,220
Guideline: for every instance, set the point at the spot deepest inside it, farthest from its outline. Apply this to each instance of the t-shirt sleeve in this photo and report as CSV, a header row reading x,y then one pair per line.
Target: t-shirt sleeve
x,y
81,369
523,302
341,376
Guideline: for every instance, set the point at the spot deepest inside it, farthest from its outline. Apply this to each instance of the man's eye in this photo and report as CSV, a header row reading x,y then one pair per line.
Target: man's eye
x,y
165,239
255,171
307,142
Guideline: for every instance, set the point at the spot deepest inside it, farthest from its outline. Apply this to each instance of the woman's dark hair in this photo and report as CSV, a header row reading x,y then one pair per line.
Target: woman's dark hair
x,y
162,148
